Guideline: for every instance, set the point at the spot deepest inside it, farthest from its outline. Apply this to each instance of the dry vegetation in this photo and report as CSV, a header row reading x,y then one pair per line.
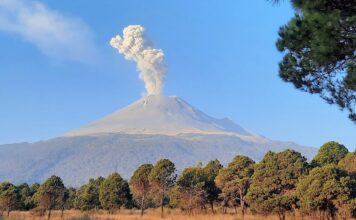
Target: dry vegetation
x,y
170,214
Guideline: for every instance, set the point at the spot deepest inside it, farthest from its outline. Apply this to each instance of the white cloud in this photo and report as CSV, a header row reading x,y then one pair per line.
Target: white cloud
x,y
56,35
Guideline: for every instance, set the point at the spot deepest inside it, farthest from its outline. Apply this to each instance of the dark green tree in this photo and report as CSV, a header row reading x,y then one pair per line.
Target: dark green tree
x,y
273,184
191,189
25,195
162,178
328,190
10,197
87,196
319,46
235,179
31,201
212,191
34,187
330,152
226,196
69,198
114,192
51,194
83,199
140,185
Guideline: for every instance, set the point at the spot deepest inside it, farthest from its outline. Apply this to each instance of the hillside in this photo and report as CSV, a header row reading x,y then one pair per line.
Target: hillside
x,y
152,128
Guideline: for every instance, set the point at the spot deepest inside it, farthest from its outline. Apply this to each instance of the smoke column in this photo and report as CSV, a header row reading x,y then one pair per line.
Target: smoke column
x,y
134,46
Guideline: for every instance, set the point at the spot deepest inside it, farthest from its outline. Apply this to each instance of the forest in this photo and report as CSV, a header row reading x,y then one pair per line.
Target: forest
x,y
281,184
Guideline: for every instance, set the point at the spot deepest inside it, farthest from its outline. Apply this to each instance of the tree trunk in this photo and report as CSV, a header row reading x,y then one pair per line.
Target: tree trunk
x,y
49,214
204,208
8,212
142,204
162,207
294,211
235,209
320,214
242,204
212,207
62,212
281,216
225,208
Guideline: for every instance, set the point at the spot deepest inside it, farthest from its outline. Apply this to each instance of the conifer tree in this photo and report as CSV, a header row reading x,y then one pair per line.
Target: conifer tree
x,y
140,185
162,178
51,194
9,197
274,181
319,45
114,192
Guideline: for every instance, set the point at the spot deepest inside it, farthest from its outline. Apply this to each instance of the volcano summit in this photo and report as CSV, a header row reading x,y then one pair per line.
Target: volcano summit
x,y
150,129
157,114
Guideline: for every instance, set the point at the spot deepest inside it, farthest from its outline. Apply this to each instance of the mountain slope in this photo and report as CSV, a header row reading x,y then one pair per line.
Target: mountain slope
x,y
76,159
156,114
150,129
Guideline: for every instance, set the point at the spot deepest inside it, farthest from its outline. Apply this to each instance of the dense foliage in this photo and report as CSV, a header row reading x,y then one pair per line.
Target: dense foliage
x,y
235,179
274,181
330,153
140,185
9,197
281,183
190,190
348,163
87,196
319,46
162,178
327,189
114,192
51,194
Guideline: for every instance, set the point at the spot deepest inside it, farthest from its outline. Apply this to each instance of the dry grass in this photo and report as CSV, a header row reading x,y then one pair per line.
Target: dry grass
x,y
135,215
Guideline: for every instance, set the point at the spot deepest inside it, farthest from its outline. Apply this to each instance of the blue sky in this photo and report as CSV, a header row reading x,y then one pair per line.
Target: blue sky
x,y
221,58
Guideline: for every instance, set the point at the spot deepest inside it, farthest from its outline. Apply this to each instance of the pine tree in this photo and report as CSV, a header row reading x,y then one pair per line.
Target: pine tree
x,y
10,197
330,153
211,170
51,194
328,190
114,192
162,179
319,45
140,185
274,181
235,179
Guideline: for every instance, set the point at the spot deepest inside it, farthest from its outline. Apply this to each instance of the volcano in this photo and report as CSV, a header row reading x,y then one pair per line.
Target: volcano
x,y
156,114
150,129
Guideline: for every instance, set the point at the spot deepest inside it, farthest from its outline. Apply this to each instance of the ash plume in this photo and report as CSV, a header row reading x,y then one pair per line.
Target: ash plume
x,y
150,61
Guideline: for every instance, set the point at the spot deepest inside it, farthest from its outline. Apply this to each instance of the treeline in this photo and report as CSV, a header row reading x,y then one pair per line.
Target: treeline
x,y
281,183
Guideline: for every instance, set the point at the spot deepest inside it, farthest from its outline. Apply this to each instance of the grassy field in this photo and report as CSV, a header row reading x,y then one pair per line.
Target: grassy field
x,y
135,215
